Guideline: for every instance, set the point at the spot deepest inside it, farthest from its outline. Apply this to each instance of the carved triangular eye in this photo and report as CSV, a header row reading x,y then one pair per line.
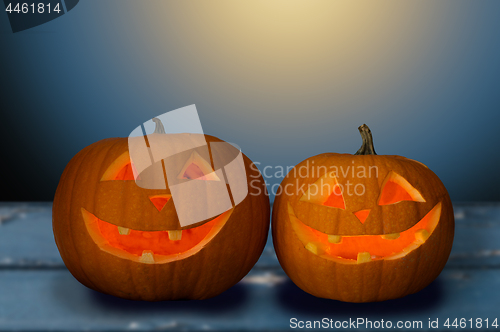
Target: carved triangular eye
x,y
396,189
120,169
335,199
325,191
197,168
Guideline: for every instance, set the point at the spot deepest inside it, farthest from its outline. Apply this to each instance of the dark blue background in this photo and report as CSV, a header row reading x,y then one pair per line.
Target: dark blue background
x,y
107,66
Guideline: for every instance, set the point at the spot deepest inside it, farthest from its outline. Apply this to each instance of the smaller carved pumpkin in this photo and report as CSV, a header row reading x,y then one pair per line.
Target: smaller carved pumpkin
x,y
363,227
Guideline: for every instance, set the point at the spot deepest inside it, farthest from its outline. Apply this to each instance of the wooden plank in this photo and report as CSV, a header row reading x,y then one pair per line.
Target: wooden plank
x,y
26,238
477,235
54,300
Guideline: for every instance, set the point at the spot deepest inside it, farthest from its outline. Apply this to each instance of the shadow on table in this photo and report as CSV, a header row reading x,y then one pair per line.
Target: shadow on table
x,y
83,297
229,300
295,299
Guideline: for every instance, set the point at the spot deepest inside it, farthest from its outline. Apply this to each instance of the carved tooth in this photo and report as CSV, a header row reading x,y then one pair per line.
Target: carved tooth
x,y
364,257
392,236
147,257
175,235
411,247
421,235
123,230
314,248
334,238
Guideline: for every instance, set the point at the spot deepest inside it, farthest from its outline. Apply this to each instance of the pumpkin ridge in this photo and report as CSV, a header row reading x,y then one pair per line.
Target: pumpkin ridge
x,y
70,212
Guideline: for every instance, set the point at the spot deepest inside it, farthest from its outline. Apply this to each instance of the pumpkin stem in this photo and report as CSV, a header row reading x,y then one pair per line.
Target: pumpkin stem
x,y
159,129
367,147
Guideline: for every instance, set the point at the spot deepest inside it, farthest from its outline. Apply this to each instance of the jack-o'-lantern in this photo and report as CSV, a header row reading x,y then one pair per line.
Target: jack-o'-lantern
x,y
125,240
363,227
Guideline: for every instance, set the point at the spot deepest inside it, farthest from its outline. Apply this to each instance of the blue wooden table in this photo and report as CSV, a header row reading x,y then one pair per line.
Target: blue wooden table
x,y
37,293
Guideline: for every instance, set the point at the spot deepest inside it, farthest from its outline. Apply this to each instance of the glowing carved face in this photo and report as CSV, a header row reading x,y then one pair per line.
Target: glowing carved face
x,y
353,249
158,246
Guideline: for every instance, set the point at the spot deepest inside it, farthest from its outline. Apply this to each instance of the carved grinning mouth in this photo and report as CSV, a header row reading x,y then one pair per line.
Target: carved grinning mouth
x,y
155,247
364,248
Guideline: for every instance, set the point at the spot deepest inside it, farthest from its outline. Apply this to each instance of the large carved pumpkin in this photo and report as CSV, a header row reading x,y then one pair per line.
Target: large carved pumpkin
x,y
118,238
364,227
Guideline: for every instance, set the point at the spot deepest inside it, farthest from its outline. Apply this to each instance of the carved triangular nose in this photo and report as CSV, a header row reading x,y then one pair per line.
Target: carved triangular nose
x,y
159,201
362,215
